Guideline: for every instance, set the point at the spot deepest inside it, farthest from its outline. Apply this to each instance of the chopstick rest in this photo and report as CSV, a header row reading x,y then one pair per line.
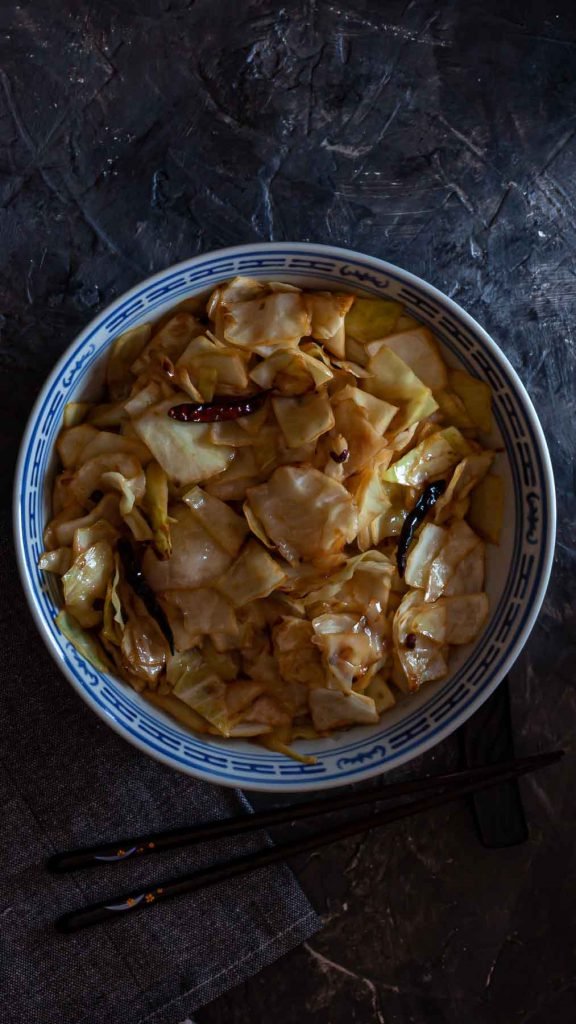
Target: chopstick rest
x,y
487,739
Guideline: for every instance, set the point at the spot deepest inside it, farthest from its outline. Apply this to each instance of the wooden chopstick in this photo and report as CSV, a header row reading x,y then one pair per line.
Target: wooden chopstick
x,y
118,906
120,850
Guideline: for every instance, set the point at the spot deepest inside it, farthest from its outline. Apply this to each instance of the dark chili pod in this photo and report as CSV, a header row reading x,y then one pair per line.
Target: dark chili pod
x,y
427,499
219,410
135,578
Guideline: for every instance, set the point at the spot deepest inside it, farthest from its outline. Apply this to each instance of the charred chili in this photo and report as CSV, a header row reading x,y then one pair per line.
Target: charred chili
x,y
135,578
427,499
219,410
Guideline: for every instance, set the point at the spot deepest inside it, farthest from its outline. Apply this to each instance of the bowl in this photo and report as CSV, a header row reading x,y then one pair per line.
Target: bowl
x,y
517,570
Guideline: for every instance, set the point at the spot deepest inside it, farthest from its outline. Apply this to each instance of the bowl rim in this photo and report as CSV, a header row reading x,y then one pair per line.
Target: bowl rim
x,y
383,266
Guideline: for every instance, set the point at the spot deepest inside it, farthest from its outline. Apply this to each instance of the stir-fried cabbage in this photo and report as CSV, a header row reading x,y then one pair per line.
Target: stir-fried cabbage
x,y
392,380
303,419
430,459
238,566
279,319
306,515
196,561
184,450
419,350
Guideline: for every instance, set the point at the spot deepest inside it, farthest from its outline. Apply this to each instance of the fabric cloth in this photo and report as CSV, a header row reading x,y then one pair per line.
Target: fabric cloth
x,y
66,780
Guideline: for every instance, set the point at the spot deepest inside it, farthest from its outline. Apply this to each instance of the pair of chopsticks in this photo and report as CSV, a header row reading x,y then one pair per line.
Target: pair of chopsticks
x,y
431,792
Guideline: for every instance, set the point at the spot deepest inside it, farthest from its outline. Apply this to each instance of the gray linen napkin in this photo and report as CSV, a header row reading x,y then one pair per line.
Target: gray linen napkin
x,y
65,780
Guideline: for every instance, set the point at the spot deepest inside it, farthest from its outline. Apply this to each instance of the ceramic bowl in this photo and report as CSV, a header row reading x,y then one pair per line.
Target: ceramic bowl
x,y
517,570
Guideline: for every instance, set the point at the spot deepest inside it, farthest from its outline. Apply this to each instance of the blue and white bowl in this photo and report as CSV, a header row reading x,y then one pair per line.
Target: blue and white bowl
x,y
517,571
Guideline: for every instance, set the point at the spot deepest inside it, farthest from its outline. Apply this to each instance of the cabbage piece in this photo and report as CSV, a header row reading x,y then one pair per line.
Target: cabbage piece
x,y
124,351
465,477
267,711
356,352
170,340
420,660
242,472
184,450
264,323
194,614
180,711
224,526
303,419
342,585
306,514
372,501
378,413
422,554
138,526
249,730
143,645
241,694
327,311
145,397
196,561
469,575
84,642
106,443
349,647
476,396
291,372
226,364
57,561
102,473
279,739
240,289
486,514
379,691
207,697
394,382
364,443
60,530
459,542
452,620
107,414
156,504
372,318
388,523
231,434
298,658
71,443
453,410
131,489
430,459
196,665
86,582
419,350
253,575
62,496
353,369
333,710
75,413
113,614
402,440
86,536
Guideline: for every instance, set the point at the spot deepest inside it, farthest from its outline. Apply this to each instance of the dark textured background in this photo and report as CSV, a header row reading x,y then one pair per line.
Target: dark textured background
x,y
442,136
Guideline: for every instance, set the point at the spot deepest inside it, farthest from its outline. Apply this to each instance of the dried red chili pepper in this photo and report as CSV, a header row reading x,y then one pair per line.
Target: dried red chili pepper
x,y
219,410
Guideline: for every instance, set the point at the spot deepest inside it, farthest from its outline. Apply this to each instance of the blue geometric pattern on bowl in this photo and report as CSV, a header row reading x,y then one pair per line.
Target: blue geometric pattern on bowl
x,y
421,722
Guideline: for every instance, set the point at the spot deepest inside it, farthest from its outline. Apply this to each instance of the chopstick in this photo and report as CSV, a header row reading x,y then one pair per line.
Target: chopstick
x,y
121,850
118,906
